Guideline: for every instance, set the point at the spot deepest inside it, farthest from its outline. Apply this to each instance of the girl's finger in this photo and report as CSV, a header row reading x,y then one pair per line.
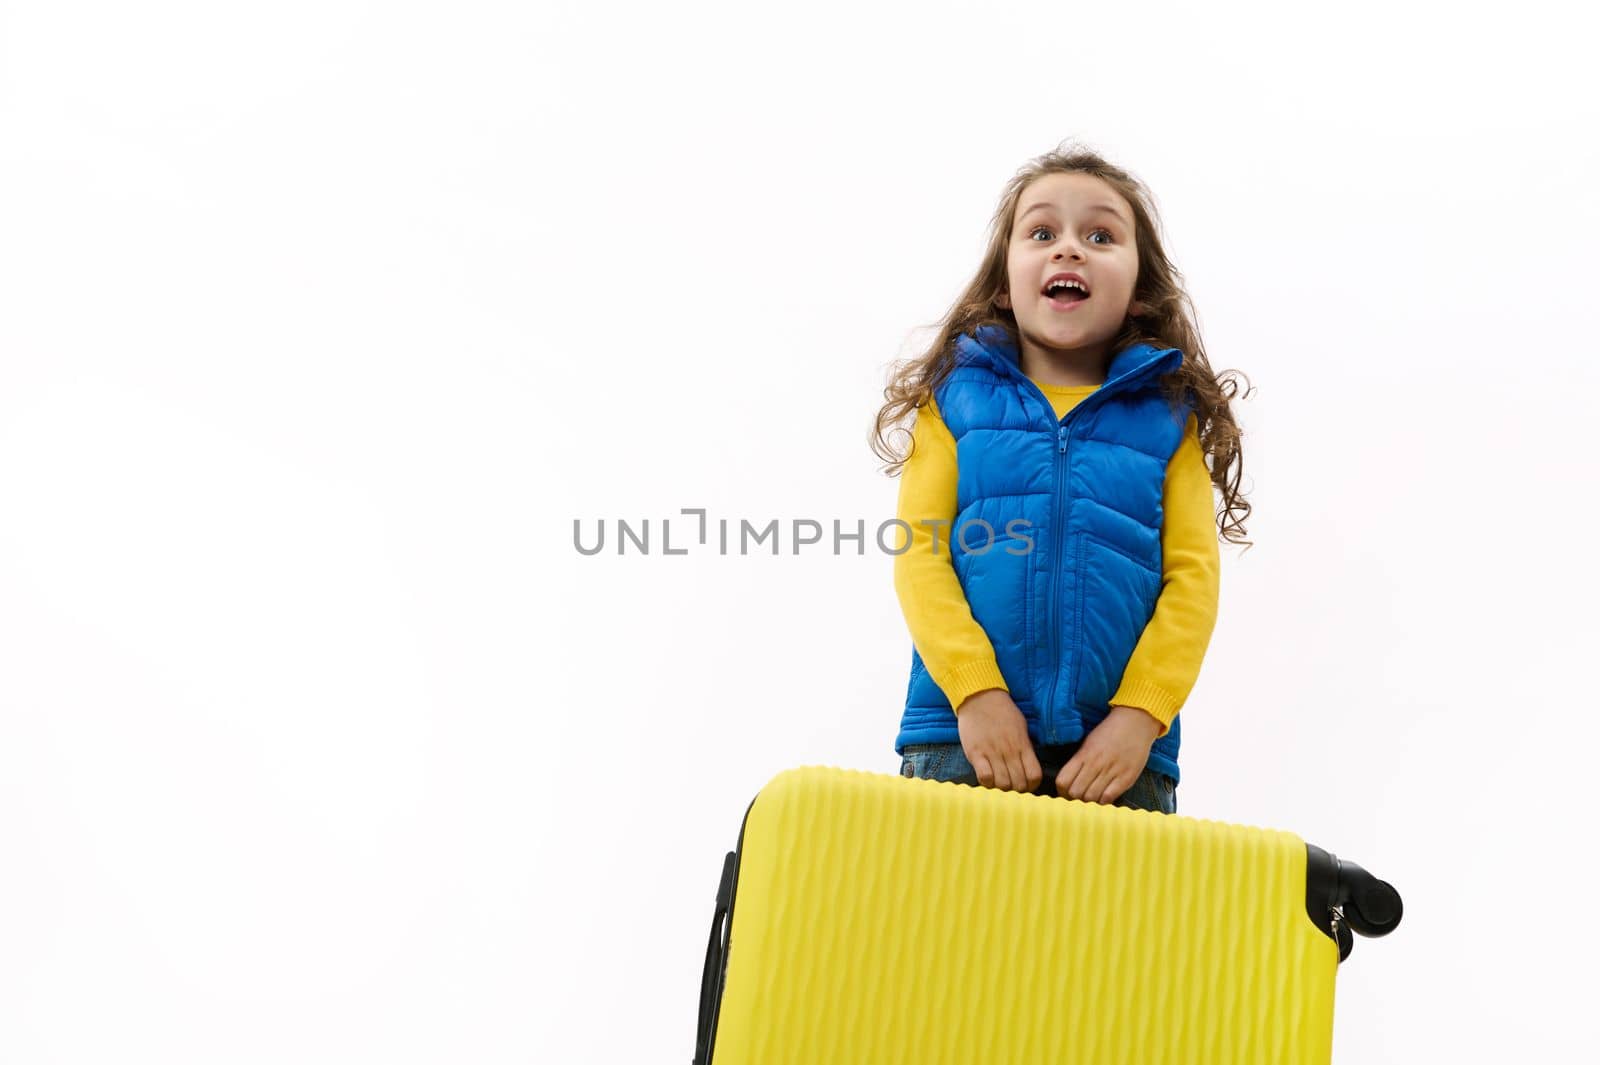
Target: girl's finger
x,y
1117,786
985,771
1094,790
998,772
1088,770
1030,766
1013,770
1066,780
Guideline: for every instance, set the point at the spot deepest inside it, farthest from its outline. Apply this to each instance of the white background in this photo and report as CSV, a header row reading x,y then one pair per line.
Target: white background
x,y
322,322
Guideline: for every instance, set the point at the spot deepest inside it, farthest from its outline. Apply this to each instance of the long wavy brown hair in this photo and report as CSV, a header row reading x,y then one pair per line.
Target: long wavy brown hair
x,y
1166,320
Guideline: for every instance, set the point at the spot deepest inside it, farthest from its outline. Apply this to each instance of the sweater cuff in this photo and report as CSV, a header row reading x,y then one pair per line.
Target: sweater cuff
x,y
1151,699
971,678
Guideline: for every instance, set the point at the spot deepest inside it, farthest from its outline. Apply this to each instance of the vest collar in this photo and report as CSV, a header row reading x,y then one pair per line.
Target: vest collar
x,y
992,346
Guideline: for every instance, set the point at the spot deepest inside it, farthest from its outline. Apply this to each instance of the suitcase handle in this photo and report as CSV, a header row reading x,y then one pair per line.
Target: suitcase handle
x,y
716,964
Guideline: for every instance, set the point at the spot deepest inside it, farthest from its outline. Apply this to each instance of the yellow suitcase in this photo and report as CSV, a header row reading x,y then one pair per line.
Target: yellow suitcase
x,y
873,918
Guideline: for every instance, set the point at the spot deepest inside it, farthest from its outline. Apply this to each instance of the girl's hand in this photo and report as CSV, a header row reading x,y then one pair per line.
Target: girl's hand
x,y
1111,758
994,737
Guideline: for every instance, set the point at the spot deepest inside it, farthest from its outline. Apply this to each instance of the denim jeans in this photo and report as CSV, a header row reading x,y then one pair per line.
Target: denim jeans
x,y
948,761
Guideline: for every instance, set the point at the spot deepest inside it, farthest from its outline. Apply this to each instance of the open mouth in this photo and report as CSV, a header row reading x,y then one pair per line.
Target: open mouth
x,y
1065,295
1069,300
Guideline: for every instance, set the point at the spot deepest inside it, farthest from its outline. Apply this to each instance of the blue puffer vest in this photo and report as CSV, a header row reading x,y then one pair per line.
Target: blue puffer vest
x,y
1070,579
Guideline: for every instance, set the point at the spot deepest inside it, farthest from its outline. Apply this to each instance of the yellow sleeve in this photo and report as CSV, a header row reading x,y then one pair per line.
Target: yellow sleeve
x,y
1166,661
959,656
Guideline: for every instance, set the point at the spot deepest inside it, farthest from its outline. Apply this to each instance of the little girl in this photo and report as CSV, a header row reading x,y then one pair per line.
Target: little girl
x,y
1060,579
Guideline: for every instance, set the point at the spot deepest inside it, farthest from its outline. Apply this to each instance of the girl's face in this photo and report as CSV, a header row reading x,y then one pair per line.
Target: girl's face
x,y
1070,224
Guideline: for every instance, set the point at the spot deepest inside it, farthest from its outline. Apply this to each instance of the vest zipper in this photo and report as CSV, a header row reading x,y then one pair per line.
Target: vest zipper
x,y
1062,433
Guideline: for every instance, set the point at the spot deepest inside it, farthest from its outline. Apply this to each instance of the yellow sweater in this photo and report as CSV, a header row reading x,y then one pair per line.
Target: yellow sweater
x,y
957,651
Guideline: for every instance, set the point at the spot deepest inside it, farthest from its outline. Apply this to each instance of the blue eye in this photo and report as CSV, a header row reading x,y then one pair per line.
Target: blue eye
x,y
1046,229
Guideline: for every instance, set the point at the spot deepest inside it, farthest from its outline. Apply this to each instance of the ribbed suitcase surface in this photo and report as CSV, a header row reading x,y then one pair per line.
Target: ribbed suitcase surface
x,y
882,919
